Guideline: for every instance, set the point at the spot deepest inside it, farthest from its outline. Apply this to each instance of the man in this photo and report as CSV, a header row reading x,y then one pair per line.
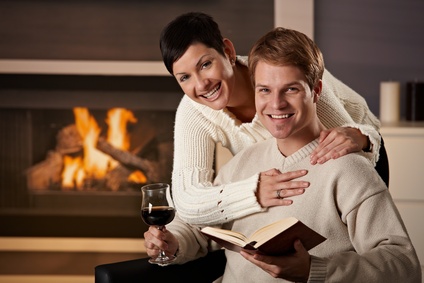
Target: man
x,y
347,202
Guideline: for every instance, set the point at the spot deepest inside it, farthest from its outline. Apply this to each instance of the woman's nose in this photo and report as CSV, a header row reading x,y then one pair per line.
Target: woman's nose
x,y
201,83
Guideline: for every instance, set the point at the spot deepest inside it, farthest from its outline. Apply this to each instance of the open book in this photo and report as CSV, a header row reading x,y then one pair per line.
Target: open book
x,y
274,239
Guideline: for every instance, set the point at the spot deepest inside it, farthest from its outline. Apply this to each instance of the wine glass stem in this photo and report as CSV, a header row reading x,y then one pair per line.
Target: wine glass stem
x,y
161,253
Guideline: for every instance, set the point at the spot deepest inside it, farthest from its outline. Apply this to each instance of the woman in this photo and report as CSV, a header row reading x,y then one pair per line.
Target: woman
x,y
218,107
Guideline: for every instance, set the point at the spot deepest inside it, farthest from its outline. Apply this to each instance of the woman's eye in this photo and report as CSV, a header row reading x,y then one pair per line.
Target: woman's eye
x,y
206,64
183,78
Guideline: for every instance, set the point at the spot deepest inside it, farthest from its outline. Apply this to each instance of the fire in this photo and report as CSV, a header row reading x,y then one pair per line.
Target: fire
x,y
117,133
95,164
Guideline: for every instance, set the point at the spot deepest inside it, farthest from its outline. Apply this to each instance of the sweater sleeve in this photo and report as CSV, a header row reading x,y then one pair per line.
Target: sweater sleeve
x,y
381,248
196,199
340,106
192,244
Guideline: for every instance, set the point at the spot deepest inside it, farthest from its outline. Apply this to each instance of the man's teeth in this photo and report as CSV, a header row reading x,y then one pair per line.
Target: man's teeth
x,y
280,116
212,92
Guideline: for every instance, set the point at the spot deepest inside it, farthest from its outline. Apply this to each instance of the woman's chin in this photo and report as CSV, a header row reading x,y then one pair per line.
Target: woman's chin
x,y
217,104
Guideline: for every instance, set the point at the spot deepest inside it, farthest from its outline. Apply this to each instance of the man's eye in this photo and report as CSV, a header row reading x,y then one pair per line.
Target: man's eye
x,y
292,90
263,90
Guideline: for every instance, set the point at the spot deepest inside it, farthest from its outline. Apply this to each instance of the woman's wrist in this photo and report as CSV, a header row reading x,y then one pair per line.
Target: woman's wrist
x,y
368,146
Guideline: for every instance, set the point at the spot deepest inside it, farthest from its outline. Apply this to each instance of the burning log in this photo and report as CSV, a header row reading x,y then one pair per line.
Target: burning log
x,y
45,174
116,177
69,141
129,161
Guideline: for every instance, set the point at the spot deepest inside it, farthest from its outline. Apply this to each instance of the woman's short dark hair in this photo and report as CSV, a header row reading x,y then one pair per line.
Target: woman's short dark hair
x,y
185,30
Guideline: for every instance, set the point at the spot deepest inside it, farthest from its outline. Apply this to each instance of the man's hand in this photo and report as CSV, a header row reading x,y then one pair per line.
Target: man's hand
x,y
294,267
156,240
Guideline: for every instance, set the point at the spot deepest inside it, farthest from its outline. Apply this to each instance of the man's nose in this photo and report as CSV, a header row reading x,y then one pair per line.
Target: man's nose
x,y
278,100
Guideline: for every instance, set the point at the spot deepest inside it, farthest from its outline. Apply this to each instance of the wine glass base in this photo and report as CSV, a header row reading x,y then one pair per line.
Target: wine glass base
x,y
162,261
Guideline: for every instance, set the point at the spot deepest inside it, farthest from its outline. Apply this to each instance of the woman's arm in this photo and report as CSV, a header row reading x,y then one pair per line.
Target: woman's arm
x,y
196,199
340,106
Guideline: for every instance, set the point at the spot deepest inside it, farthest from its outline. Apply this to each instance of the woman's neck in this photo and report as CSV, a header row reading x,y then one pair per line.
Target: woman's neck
x,y
242,103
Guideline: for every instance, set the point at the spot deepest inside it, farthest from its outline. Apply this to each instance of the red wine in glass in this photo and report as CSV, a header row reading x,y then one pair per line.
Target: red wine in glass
x,y
155,211
158,215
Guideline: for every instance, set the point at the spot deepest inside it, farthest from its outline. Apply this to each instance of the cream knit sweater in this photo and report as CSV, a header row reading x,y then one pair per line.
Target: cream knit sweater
x,y
199,128
347,202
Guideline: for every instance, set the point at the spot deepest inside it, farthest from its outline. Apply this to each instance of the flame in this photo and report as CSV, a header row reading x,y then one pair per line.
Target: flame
x,y
94,163
71,175
117,136
137,177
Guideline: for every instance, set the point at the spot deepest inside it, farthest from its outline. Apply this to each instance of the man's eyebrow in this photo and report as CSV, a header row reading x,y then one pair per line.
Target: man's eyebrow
x,y
285,85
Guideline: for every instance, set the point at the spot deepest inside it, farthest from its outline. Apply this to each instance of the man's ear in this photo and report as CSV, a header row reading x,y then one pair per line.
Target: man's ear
x,y
317,91
229,49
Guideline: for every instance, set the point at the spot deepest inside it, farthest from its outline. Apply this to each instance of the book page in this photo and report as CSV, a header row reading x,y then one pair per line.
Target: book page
x,y
228,235
271,230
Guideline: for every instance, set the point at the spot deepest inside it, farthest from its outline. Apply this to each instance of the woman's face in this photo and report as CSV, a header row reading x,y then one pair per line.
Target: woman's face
x,y
205,76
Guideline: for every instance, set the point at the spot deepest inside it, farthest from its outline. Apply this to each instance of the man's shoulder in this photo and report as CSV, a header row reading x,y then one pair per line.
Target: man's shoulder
x,y
256,150
249,161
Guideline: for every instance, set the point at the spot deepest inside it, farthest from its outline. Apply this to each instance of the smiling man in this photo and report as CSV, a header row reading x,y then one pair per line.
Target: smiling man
x,y
347,201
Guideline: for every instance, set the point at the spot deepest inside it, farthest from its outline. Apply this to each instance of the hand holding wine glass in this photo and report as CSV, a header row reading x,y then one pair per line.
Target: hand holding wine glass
x,y
156,211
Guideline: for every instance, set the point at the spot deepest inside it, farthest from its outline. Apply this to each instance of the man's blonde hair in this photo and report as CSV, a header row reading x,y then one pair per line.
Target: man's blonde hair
x,y
283,46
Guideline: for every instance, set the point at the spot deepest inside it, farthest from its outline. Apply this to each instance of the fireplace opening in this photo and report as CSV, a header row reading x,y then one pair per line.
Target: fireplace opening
x,y
76,171
102,151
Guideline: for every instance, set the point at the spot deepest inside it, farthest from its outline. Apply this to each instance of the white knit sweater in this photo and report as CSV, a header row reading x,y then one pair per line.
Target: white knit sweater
x,y
198,129
347,202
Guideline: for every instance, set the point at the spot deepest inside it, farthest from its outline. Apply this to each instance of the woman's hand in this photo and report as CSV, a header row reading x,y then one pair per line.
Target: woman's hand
x,y
294,267
156,240
338,142
275,187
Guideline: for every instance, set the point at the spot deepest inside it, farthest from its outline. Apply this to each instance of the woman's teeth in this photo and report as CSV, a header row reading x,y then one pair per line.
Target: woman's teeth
x,y
211,93
280,116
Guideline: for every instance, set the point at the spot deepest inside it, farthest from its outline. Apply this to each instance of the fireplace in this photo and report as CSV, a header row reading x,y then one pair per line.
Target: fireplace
x,y
54,126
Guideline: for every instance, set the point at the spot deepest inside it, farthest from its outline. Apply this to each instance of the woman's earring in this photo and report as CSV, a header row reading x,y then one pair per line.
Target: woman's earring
x,y
232,61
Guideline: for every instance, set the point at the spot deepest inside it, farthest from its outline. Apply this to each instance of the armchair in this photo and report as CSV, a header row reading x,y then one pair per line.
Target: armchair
x,y
205,269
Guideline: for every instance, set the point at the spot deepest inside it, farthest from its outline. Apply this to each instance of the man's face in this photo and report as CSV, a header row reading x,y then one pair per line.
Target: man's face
x,y
284,101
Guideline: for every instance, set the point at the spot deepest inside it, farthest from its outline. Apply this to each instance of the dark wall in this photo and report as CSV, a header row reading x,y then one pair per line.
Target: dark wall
x,y
365,42
116,29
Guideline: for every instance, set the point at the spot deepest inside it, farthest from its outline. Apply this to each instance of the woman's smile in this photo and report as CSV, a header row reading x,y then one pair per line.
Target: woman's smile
x,y
213,94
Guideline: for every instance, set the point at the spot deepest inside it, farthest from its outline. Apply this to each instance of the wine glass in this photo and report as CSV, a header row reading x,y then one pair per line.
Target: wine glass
x,y
156,211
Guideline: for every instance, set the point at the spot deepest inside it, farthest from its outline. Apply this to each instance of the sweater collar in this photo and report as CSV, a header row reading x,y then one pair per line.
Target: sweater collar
x,y
296,157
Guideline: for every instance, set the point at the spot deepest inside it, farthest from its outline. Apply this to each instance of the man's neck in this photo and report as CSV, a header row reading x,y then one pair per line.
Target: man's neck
x,y
294,142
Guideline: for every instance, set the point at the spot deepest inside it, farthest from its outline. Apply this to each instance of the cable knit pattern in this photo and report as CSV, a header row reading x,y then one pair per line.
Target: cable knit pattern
x,y
199,128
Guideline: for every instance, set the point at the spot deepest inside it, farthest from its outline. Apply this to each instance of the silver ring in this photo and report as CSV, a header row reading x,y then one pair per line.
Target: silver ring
x,y
278,194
